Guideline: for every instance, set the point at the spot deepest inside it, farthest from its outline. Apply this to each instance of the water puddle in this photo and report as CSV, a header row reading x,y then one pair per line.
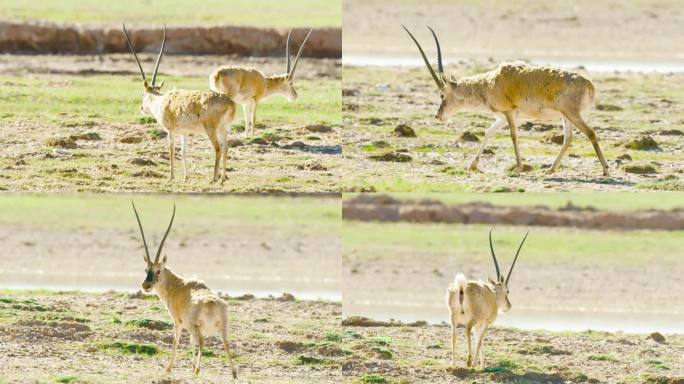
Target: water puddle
x,y
533,319
589,65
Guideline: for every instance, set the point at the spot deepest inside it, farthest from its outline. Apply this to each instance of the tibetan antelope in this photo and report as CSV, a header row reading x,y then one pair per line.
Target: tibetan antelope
x,y
182,112
518,90
191,304
475,304
249,86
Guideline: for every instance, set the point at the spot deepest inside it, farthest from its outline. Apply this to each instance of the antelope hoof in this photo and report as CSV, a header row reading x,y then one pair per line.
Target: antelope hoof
x,y
473,167
234,374
469,361
168,368
196,371
550,171
606,173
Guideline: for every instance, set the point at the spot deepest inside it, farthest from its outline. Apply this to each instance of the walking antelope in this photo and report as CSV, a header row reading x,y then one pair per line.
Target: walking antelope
x,y
518,90
250,86
191,304
475,304
182,112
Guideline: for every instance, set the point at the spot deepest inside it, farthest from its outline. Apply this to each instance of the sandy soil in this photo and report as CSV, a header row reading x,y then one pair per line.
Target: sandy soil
x,y
586,29
421,355
230,257
297,157
70,338
629,107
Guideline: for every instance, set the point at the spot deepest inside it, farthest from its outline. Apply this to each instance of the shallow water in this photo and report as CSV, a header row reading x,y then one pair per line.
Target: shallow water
x,y
533,318
589,65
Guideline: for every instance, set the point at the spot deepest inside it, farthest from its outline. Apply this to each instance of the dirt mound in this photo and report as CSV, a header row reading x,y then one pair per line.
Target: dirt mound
x,y
360,321
376,208
42,37
28,330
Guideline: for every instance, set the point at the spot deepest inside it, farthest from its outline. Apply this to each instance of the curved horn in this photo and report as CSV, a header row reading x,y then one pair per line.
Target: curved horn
x,y
439,82
516,257
491,248
130,46
287,51
161,51
440,67
301,47
147,252
161,245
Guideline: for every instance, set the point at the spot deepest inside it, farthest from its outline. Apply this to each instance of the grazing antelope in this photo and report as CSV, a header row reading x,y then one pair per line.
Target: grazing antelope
x,y
250,86
182,112
518,90
475,304
191,304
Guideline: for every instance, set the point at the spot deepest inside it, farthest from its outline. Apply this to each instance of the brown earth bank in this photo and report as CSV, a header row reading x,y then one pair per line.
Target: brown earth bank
x,y
117,337
44,37
393,353
385,208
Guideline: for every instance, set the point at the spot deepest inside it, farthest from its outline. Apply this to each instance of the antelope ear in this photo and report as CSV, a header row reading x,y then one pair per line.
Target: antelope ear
x,y
491,281
501,279
164,259
146,84
161,85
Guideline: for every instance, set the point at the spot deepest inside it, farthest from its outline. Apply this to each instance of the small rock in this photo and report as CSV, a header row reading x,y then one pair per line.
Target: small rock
x,y
318,128
608,107
625,157
141,161
657,337
351,92
232,143
259,141
469,137
488,151
640,169
403,130
89,136
671,132
61,142
556,139
286,297
644,143
131,139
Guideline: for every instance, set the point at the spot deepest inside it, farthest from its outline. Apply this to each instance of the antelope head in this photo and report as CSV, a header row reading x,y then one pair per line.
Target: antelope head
x,y
150,90
286,85
501,283
154,269
453,98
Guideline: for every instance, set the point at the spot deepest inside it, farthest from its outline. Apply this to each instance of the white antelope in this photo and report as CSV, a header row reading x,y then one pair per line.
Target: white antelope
x,y
191,304
182,112
249,86
518,90
475,304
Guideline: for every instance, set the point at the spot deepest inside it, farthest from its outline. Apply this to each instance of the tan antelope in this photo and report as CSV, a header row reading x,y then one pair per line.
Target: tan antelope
x,y
191,304
475,304
518,90
249,86
183,112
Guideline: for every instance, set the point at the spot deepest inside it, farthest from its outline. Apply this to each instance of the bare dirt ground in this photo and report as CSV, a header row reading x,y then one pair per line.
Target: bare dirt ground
x,y
231,257
420,354
115,337
639,120
283,155
530,29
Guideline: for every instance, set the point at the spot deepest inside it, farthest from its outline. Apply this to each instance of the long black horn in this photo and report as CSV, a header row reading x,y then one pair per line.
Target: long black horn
x,y
287,51
440,67
130,46
294,66
516,257
161,245
438,81
147,252
156,65
491,249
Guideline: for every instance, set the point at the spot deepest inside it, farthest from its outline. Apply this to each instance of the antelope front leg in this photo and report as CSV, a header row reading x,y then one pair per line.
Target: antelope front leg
x,y
184,151
469,359
176,338
514,138
172,153
478,351
246,114
499,123
253,122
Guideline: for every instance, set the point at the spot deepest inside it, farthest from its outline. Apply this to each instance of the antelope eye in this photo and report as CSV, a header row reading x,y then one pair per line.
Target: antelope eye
x,y
158,272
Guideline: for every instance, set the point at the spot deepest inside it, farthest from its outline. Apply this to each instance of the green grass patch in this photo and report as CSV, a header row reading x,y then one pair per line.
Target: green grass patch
x,y
68,379
371,378
265,13
131,348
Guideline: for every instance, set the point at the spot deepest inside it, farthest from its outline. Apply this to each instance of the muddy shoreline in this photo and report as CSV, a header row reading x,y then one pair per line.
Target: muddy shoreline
x,y
384,208
50,38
